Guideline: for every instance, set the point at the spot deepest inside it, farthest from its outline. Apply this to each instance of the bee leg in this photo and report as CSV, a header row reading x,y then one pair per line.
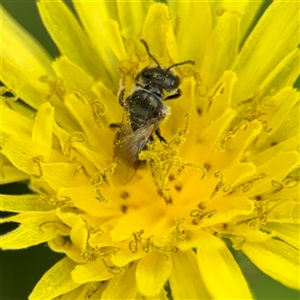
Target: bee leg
x,y
174,96
121,96
121,91
162,139
114,125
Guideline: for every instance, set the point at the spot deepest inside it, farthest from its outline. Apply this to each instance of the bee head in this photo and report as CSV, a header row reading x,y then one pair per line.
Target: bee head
x,y
161,76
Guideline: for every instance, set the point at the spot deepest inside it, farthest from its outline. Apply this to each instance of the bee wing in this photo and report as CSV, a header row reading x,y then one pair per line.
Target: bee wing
x,y
129,144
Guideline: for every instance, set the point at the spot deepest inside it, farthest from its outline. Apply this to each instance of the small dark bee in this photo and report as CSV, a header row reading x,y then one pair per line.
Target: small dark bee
x,y
144,109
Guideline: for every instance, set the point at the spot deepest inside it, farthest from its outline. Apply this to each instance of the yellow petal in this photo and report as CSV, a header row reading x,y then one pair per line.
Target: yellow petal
x,y
32,91
79,234
288,210
22,50
286,232
63,175
132,15
276,259
188,34
287,145
289,127
156,26
15,124
282,103
161,296
28,156
115,39
266,47
9,173
185,279
228,207
284,74
125,256
152,272
56,281
93,16
42,129
114,110
74,78
217,264
93,271
275,169
234,144
61,245
222,50
77,293
246,10
24,203
36,228
69,37
79,195
92,290
122,287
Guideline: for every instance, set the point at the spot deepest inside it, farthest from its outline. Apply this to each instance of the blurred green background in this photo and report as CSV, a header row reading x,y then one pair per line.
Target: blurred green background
x,y
21,269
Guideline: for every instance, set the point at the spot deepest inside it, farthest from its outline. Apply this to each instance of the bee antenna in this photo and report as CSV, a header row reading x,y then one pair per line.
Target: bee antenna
x,y
191,62
148,51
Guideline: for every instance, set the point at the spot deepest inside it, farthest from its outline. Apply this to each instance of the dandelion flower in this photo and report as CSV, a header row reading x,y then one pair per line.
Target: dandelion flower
x,y
226,176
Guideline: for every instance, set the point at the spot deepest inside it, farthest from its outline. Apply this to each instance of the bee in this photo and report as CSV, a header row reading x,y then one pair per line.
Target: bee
x,y
144,109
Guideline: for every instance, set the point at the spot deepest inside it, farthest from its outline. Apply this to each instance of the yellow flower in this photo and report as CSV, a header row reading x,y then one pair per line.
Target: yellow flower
x,y
227,175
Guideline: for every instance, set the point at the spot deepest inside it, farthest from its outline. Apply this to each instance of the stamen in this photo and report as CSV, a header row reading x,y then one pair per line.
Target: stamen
x,y
254,224
218,174
57,86
231,134
124,209
178,234
134,245
89,256
163,157
91,290
99,177
146,245
198,215
218,91
262,209
124,195
99,109
92,231
96,181
246,186
63,201
52,222
291,181
83,97
37,160
278,186
75,137
80,169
